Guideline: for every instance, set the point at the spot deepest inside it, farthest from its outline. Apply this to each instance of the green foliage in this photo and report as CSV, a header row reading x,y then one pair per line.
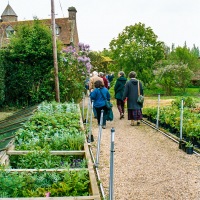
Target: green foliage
x,y
37,184
187,102
54,126
172,76
2,85
28,63
170,115
73,72
137,49
185,56
43,159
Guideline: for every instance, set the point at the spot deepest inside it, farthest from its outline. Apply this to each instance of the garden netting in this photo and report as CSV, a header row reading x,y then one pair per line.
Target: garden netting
x,y
10,125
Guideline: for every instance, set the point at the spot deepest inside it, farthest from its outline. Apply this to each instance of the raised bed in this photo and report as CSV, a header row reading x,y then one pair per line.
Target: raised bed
x,y
86,173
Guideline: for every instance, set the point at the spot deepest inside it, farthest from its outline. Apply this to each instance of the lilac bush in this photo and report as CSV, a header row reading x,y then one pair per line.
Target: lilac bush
x,y
74,69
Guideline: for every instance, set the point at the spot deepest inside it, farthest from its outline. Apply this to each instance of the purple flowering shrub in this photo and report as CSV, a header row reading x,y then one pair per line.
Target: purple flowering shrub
x,y
74,69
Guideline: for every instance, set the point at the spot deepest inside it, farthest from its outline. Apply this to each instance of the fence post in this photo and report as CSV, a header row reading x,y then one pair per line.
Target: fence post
x,y
88,109
90,128
111,183
99,139
181,121
158,112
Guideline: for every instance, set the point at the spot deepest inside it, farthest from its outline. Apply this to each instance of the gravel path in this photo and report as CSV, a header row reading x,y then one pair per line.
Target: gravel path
x,y
147,165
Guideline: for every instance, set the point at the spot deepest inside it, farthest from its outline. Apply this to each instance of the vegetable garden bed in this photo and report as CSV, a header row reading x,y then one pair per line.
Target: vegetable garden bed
x,y
50,157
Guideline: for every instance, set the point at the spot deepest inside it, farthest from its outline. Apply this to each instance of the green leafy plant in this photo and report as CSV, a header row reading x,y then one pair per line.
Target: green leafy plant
x,y
37,184
189,144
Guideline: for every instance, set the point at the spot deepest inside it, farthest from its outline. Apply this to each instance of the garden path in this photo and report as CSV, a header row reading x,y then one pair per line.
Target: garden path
x,y
147,165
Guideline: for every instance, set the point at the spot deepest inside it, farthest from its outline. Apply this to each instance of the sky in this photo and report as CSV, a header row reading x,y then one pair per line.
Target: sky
x,y
98,22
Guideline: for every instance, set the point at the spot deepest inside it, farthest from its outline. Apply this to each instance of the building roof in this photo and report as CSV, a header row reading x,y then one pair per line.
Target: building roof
x,y
8,11
66,28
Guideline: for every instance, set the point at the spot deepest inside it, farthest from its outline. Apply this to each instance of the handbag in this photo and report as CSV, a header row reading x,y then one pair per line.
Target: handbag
x,y
109,116
108,104
140,99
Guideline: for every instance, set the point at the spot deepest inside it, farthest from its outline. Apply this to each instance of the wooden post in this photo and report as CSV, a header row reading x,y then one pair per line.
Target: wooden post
x,y
57,91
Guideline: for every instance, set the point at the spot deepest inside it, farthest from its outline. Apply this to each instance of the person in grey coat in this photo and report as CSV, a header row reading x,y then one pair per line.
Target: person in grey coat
x,y
131,94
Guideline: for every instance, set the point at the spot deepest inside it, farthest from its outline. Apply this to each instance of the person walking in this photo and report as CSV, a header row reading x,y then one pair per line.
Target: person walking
x,y
131,93
119,91
102,75
97,95
93,79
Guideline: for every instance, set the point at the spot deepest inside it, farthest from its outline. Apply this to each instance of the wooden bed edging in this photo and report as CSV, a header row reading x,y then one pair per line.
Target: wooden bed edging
x,y
52,152
93,197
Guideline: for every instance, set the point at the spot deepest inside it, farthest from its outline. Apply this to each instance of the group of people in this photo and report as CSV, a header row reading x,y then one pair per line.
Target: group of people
x,y
125,91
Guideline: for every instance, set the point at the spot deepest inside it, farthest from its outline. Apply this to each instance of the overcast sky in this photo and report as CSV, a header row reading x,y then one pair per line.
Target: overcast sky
x,y
99,21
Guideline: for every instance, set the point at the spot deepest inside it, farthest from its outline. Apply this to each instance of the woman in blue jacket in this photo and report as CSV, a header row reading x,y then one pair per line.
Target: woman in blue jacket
x,y
98,95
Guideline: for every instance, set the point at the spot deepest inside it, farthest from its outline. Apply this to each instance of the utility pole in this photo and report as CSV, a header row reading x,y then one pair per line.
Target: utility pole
x,y
57,90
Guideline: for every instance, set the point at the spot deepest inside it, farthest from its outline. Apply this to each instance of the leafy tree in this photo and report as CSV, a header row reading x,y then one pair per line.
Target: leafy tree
x,y
186,56
172,76
100,62
137,48
28,62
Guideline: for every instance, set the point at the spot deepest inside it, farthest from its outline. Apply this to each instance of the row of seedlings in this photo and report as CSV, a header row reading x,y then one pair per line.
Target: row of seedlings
x,y
50,157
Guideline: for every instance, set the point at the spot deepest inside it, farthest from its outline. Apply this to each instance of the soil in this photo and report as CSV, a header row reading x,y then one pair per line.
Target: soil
x,y
147,165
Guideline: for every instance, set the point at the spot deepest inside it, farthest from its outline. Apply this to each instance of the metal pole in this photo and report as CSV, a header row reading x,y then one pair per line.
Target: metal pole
x,y
88,109
158,112
99,139
55,51
90,128
181,121
111,165
83,107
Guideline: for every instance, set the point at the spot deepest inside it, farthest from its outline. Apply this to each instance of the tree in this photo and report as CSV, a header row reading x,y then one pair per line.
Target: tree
x,y
28,62
172,76
100,62
137,48
184,55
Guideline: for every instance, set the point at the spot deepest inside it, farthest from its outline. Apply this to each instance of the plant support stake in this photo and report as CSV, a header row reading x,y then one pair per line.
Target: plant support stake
x,y
90,128
99,140
158,112
83,107
181,121
111,165
88,109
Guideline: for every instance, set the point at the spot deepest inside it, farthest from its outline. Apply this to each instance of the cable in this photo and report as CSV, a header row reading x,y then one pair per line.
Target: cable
x,y
61,9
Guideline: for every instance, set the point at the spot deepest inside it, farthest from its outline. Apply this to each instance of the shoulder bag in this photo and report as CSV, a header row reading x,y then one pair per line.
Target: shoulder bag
x,y
140,99
108,104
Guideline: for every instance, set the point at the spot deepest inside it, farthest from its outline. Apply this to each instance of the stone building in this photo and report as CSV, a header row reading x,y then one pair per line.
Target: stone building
x,y
66,28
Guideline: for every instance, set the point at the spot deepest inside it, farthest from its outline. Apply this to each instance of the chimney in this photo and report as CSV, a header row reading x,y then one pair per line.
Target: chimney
x,y
72,13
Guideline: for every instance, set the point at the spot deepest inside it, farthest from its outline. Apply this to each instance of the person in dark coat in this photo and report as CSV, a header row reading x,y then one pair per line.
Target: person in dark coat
x,y
131,93
99,102
119,90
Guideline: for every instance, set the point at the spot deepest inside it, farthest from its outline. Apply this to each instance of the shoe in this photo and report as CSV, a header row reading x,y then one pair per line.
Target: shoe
x,y
121,116
138,123
132,123
104,126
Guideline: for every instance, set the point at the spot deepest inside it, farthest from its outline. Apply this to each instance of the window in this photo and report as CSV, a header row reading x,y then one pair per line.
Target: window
x,y
57,29
9,31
